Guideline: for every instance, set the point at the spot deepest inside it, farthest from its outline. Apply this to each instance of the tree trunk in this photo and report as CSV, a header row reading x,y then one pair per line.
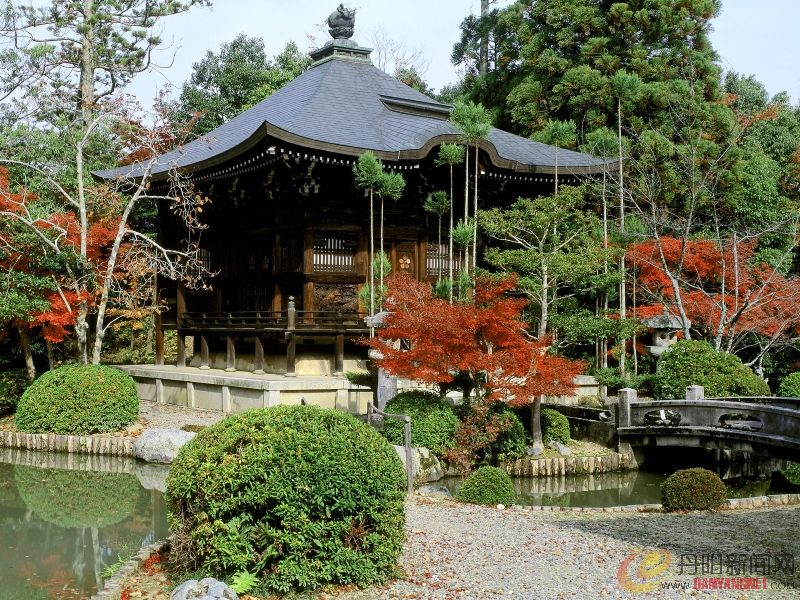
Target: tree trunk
x,y
82,332
536,424
475,215
543,299
483,61
439,250
450,249
51,359
380,268
371,260
622,287
25,346
466,203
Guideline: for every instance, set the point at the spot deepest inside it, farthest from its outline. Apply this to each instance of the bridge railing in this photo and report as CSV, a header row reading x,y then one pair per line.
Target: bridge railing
x,y
761,417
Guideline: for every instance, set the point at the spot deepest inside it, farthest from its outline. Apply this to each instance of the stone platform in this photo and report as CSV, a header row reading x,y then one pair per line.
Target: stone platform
x,y
232,392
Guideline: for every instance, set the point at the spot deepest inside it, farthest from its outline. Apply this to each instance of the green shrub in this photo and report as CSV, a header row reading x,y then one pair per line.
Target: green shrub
x,y
792,473
693,489
790,386
555,426
12,385
78,399
298,495
691,362
487,485
77,498
433,422
510,444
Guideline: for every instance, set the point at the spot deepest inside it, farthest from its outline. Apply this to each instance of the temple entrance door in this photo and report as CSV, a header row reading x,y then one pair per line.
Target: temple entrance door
x,y
404,258
256,281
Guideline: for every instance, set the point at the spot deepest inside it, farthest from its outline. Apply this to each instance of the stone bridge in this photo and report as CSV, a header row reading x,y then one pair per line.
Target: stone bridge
x,y
741,424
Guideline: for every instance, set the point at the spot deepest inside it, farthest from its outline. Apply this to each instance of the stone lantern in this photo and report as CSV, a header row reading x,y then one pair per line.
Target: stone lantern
x,y
665,332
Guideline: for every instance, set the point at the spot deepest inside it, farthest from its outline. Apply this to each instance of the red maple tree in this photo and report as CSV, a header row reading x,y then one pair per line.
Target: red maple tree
x,y
731,298
484,341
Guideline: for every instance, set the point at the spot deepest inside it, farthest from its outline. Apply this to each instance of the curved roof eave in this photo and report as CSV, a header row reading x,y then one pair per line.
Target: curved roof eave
x,y
267,130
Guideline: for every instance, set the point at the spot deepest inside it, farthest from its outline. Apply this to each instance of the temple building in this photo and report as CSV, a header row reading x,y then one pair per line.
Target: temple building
x,y
288,229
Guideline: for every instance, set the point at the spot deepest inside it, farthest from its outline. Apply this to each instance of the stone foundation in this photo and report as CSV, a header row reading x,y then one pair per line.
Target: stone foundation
x,y
571,465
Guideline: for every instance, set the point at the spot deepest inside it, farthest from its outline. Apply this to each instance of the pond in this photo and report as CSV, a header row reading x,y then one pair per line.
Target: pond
x,y
64,519
619,488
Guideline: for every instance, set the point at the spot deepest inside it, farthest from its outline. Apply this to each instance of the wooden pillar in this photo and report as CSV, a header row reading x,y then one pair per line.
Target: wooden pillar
x,y
338,364
308,302
159,340
203,352
180,304
230,354
422,258
258,366
277,299
181,362
291,341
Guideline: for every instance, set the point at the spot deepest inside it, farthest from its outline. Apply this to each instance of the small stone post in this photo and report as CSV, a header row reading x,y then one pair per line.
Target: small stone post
x,y
695,393
626,397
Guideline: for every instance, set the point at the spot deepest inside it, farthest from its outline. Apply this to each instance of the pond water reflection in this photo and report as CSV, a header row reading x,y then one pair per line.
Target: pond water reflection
x,y
64,518
619,488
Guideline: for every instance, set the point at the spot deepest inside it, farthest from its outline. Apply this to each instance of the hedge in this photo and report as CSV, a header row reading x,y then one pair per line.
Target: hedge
x,y
433,422
693,489
487,485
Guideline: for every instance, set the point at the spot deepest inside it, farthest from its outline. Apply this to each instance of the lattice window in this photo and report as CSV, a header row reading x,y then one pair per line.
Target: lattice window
x,y
334,254
438,257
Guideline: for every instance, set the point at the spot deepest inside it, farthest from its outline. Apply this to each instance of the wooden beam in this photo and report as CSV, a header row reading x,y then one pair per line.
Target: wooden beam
x,y
180,303
308,251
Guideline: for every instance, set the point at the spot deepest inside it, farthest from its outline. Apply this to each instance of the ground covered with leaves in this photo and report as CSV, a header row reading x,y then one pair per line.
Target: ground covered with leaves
x,y
471,552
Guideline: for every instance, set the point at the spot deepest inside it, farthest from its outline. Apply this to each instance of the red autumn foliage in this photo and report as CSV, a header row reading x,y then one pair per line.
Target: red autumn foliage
x,y
718,286
486,340
64,227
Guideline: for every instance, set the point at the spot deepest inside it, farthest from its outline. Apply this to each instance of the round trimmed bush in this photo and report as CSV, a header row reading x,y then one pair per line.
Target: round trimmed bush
x,y
433,422
78,399
487,485
12,385
694,362
790,386
555,426
693,489
510,444
300,496
77,498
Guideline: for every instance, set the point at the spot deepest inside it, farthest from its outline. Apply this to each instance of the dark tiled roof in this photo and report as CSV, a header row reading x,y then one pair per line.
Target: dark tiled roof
x,y
347,106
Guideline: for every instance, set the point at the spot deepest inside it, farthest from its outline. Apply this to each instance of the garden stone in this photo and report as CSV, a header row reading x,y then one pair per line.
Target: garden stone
x,y
205,589
160,445
562,449
425,466
534,451
435,491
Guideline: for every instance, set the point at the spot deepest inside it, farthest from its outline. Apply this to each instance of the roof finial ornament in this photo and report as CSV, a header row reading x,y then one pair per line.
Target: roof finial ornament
x,y
341,23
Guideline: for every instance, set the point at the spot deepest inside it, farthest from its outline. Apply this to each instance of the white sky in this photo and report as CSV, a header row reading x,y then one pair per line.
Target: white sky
x,y
759,37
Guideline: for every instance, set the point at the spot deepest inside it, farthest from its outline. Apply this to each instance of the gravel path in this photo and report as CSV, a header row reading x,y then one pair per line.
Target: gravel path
x,y
152,414
459,551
